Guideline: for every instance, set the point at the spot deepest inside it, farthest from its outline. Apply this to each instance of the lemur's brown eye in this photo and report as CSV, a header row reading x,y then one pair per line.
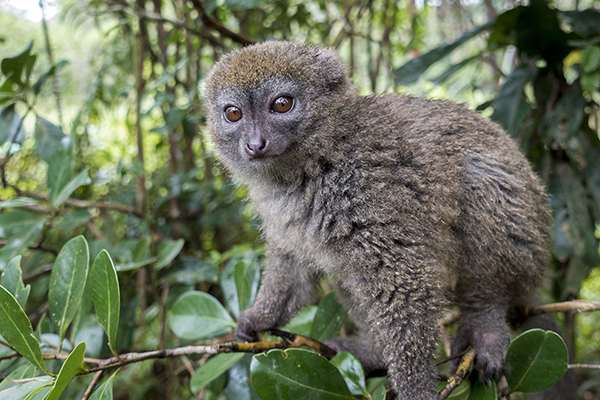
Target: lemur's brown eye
x,y
233,114
283,104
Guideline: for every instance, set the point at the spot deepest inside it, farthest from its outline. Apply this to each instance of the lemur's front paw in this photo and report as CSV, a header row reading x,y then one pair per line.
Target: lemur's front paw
x,y
249,325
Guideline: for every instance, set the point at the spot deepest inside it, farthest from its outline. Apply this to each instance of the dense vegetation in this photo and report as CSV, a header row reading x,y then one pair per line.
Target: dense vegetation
x,y
118,228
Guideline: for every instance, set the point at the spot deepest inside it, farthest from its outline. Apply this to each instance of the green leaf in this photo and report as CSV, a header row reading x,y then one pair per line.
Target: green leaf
x,y
23,372
510,106
104,285
72,366
297,374
197,315
242,285
141,250
590,82
134,266
48,138
80,180
329,318
302,322
413,69
105,391
16,245
16,329
79,322
352,372
7,92
18,68
16,202
535,360
239,386
190,270
21,391
482,391
12,280
11,125
39,393
590,59
21,228
73,220
167,251
379,393
236,285
67,283
60,169
18,223
213,369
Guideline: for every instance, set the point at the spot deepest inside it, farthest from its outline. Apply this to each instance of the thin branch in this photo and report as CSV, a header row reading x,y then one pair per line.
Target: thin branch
x,y
9,356
158,18
592,366
573,306
78,203
95,231
290,340
31,276
456,379
5,344
216,25
92,385
445,360
99,204
39,247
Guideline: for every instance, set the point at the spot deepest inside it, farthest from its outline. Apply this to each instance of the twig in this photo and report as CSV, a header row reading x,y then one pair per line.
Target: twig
x,y
452,357
95,231
35,247
5,344
456,379
216,25
92,385
592,366
9,356
574,306
158,18
290,340
299,340
31,276
78,203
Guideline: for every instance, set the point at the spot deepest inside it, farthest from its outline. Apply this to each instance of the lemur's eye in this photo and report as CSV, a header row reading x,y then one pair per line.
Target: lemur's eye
x,y
233,114
282,105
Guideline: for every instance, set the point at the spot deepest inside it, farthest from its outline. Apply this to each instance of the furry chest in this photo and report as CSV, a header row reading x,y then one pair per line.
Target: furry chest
x,y
293,225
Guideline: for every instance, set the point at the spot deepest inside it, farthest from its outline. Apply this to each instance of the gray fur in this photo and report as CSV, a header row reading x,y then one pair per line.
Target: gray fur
x,y
409,204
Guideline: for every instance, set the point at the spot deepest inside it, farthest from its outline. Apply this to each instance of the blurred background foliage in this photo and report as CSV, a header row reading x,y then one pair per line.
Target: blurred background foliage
x,y
102,134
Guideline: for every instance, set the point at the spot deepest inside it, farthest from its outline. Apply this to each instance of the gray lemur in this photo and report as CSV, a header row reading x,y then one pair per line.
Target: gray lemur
x,y
408,204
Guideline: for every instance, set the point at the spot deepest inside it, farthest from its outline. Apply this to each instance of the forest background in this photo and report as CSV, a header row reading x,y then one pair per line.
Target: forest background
x,y
102,134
